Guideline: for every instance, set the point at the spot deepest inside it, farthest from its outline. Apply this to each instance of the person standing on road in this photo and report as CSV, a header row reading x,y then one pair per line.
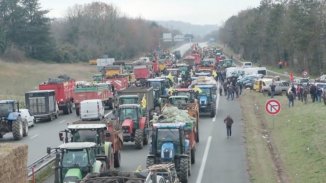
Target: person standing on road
x,y
273,86
228,122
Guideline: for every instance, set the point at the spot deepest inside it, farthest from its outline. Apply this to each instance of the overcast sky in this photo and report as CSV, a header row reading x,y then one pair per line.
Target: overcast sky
x,y
192,11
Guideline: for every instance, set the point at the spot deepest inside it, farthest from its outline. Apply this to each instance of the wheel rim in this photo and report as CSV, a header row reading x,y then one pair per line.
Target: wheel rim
x,y
21,128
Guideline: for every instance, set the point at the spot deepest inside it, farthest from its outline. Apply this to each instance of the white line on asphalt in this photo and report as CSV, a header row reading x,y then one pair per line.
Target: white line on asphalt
x,y
108,114
34,136
62,121
203,163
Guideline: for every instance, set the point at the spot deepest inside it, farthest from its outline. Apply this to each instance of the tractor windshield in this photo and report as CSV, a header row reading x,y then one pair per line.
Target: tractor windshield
x,y
205,91
156,85
168,135
6,108
128,113
84,136
178,101
75,157
130,100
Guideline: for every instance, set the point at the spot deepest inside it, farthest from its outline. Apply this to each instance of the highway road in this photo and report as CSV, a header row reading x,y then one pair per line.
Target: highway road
x,y
218,159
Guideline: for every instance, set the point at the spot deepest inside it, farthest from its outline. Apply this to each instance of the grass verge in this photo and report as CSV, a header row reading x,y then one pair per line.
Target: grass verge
x,y
297,138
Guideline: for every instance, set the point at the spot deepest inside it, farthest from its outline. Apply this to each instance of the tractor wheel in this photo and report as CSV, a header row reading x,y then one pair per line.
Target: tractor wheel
x,y
117,159
212,113
25,128
146,136
150,161
193,156
70,108
139,135
183,171
17,128
1,136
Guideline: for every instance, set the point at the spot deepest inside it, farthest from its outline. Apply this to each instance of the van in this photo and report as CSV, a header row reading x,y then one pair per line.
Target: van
x,y
91,109
246,64
265,83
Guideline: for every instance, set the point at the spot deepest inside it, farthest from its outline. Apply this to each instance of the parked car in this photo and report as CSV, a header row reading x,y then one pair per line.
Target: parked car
x,y
26,115
281,88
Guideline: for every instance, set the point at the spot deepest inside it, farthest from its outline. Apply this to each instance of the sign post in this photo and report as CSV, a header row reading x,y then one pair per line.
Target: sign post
x,y
273,107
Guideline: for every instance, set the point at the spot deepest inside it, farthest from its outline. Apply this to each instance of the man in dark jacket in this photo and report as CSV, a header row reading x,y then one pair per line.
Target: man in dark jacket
x,y
228,122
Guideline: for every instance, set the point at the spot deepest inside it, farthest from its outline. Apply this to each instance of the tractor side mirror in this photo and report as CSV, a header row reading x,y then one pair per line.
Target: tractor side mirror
x,y
48,150
61,136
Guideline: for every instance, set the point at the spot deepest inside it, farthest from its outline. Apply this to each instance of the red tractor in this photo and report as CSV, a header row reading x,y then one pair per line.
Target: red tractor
x,y
134,124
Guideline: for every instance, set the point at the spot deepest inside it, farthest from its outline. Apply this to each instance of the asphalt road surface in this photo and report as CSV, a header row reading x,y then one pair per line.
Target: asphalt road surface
x,y
218,159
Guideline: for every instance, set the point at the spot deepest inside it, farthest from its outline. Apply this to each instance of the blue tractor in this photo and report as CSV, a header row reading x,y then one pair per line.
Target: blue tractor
x,y
207,99
169,145
11,121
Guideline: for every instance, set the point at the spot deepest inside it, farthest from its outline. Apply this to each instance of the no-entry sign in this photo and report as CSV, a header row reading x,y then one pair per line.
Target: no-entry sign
x,y
273,106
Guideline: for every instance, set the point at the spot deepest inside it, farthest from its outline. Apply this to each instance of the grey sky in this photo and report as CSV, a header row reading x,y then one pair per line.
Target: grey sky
x,y
192,11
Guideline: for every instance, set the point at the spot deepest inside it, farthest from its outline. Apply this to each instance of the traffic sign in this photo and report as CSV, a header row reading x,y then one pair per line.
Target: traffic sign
x,y
273,106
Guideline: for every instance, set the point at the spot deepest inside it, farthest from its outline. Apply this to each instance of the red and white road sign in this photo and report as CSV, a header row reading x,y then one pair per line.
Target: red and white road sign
x,y
273,106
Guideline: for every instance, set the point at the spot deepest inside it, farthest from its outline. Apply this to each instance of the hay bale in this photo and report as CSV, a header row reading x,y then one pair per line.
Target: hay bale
x,y
13,166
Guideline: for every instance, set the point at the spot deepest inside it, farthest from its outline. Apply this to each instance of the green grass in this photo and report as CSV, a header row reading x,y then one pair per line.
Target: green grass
x,y
18,78
299,135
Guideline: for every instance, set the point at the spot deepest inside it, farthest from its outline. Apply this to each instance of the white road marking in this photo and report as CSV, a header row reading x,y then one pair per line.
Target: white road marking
x,y
34,136
203,163
108,114
62,121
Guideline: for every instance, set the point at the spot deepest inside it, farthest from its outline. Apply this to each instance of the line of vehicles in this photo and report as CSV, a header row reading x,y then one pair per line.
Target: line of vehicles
x,y
157,112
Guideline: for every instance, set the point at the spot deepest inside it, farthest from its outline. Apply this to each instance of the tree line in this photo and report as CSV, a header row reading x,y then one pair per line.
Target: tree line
x,y
86,32
288,30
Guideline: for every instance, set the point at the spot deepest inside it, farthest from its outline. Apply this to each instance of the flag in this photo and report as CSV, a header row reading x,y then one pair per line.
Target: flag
x,y
170,77
144,102
197,89
214,74
171,90
291,76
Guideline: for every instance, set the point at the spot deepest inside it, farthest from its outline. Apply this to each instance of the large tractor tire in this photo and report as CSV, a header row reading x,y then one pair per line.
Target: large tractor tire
x,y
150,161
117,159
25,128
193,156
139,141
212,113
146,137
17,128
183,171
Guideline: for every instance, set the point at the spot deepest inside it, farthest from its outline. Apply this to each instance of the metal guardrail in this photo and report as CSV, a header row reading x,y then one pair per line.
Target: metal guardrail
x,y
38,165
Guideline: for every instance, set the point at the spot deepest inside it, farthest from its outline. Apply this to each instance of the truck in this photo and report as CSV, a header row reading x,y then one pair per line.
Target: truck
x,y
11,120
173,141
135,95
42,104
119,82
142,72
134,124
74,160
64,90
106,134
88,91
113,70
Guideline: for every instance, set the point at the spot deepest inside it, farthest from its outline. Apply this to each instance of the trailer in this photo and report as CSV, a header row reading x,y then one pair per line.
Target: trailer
x,y
64,90
88,91
142,72
42,104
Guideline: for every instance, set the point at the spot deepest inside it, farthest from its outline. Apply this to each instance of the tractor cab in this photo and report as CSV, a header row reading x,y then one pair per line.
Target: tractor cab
x,y
133,124
8,109
179,101
159,86
168,142
76,160
98,77
128,99
207,98
191,94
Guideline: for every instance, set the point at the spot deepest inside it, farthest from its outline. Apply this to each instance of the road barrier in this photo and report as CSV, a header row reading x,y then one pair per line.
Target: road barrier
x,y
39,165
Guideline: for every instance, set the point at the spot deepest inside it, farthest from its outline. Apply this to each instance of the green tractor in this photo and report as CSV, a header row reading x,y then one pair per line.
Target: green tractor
x,y
75,160
107,138
170,145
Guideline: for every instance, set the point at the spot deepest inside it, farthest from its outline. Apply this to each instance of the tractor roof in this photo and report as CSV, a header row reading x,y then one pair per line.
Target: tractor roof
x,y
7,101
183,90
77,145
179,96
206,86
86,126
129,106
169,125
156,79
128,96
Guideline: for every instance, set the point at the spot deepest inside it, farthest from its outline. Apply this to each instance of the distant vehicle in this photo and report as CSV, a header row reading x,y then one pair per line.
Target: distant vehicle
x,y
265,84
281,88
42,104
26,116
91,109
246,64
255,70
